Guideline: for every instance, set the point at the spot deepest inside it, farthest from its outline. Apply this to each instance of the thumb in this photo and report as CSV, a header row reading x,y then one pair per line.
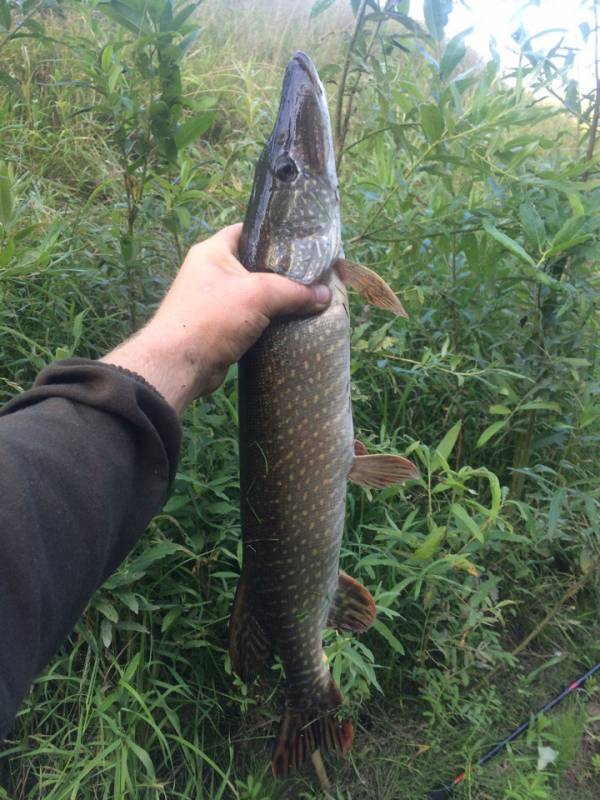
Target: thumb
x,y
280,295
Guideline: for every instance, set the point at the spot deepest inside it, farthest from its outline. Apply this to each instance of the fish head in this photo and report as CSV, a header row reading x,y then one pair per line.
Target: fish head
x,y
292,223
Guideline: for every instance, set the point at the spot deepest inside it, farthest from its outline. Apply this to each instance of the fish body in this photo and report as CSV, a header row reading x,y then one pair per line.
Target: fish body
x,y
296,451
297,448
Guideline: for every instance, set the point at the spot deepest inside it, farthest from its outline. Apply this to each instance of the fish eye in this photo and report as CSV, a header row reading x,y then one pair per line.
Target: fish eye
x,y
286,169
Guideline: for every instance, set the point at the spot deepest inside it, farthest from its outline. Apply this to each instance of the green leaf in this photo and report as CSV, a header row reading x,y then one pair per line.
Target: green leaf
x,y
5,16
453,54
106,632
570,235
432,121
179,19
136,627
575,362
188,41
496,493
319,7
389,636
533,224
510,244
430,545
144,759
445,447
106,57
490,431
130,600
554,512
193,128
6,199
132,667
503,410
466,522
436,14
569,244
78,326
409,23
113,77
109,611
170,617
540,405
575,203
125,15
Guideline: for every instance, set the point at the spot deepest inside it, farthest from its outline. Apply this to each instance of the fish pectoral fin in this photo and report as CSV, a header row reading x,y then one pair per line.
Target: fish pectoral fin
x,y
369,285
301,732
353,607
360,449
249,647
378,471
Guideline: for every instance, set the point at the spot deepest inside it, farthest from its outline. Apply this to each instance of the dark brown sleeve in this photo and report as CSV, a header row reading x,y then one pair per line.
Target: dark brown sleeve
x,y
87,457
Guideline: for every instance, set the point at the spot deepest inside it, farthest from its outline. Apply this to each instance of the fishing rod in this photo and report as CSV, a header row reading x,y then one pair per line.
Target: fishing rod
x,y
445,790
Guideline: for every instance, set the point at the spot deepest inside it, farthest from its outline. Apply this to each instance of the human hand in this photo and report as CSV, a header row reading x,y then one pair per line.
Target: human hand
x,y
213,312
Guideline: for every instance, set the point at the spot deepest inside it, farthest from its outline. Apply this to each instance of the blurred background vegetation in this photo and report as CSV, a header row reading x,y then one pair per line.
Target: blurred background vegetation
x,y
128,130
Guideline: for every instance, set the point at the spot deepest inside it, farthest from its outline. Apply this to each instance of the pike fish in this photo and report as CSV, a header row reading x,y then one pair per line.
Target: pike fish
x,y
297,446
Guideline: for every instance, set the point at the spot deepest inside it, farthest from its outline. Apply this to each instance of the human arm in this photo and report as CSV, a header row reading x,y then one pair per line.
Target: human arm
x,y
88,454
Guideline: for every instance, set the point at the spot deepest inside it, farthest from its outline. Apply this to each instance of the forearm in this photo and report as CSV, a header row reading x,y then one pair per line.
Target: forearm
x,y
87,457
166,361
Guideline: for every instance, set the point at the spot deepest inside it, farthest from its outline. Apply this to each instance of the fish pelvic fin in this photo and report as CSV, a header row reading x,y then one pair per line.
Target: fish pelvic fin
x,y
249,647
369,285
301,732
353,606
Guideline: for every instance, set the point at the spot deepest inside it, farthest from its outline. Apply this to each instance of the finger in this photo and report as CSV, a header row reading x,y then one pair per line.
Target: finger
x,y
280,295
229,237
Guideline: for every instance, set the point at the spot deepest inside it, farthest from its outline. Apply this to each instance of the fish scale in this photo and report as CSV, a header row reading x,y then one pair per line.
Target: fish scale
x,y
297,448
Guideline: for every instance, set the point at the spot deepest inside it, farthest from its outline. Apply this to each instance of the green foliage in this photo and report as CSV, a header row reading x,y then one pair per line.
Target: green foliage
x,y
125,137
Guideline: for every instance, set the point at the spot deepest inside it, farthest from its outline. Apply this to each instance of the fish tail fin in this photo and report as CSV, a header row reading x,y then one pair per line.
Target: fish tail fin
x,y
249,647
301,732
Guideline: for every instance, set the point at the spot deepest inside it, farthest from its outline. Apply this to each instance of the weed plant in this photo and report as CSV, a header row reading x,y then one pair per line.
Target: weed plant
x,y
130,129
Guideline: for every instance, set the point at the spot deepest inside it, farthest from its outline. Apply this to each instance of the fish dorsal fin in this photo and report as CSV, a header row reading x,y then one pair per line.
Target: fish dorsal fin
x,y
378,471
249,647
353,607
369,286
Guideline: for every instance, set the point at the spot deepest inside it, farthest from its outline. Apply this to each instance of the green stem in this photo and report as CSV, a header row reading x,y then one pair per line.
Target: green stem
x,y
339,136
23,22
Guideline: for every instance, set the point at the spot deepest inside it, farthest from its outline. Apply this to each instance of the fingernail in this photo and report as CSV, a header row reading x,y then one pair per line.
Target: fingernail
x,y
322,294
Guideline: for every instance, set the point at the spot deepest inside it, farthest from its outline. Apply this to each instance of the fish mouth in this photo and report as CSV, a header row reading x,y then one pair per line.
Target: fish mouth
x,y
306,64
303,129
301,78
